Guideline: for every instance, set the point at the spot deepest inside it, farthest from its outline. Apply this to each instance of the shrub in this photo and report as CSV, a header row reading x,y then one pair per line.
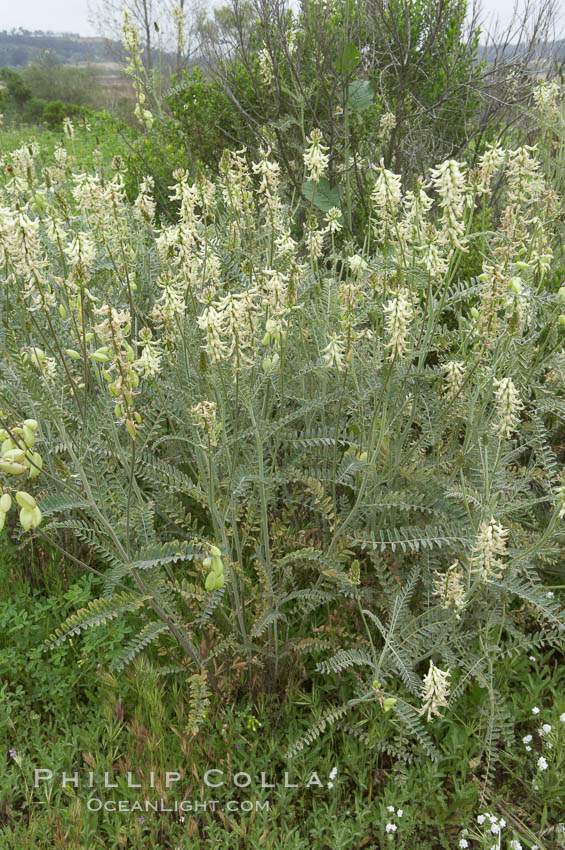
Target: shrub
x,y
272,438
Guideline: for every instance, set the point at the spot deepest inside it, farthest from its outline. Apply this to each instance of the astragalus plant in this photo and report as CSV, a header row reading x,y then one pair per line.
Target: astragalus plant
x,y
275,444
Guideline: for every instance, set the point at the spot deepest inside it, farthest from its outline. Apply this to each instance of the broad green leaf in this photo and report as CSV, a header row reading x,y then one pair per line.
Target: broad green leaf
x,y
350,58
359,95
322,195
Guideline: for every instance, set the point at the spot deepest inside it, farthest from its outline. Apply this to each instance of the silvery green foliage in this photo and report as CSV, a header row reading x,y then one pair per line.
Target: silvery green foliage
x,y
364,441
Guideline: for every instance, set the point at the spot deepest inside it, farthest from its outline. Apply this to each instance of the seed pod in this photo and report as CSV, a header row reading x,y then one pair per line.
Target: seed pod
x,y
137,417
215,551
35,463
7,445
36,518
62,311
24,500
100,355
118,411
207,563
26,518
210,583
31,423
16,455
2,520
11,467
74,355
5,503
29,436
3,434
115,389
89,337
130,352
561,319
36,357
131,428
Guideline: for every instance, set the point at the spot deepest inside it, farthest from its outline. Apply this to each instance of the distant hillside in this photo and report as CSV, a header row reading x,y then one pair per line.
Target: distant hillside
x,y
20,47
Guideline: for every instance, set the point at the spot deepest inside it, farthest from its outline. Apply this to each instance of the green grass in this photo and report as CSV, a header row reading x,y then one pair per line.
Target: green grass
x,y
105,132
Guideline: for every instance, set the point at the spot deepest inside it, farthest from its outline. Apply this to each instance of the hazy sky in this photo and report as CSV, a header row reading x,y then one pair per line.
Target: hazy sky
x,y
73,15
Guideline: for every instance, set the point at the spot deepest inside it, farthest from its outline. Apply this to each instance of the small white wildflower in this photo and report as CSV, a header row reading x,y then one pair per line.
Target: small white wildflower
x,y
334,352
535,710
399,315
508,406
491,542
390,809
330,785
399,813
495,828
333,222
526,739
315,157
386,197
562,717
532,657
449,181
463,843
528,748
333,773
480,819
266,68
550,594
454,377
542,763
68,129
387,124
391,827
515,845
435,691
545,729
